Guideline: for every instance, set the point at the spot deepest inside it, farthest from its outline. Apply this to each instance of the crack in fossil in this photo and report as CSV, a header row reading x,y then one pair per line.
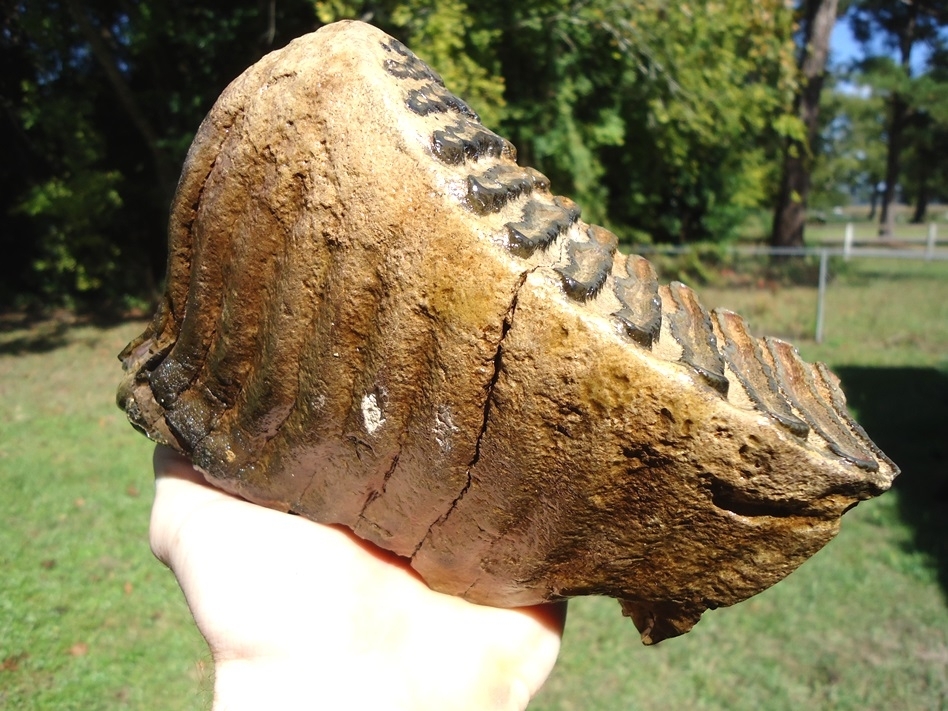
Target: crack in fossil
x,y
505,327
380,491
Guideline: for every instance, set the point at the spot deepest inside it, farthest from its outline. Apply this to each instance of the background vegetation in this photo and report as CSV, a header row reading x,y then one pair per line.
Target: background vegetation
x,y
667,122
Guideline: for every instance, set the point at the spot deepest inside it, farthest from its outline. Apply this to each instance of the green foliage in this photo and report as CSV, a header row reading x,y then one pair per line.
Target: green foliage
x,y
659,118
851,156
858,113
701,264
75,258
102,100
71,210
662,121
716,264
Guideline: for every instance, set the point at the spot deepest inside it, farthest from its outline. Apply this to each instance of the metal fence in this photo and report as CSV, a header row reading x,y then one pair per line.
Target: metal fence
x,y
927,249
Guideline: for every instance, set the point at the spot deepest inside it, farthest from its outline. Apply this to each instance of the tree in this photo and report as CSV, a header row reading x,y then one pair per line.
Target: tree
x,y
903,25
106,100
850,162
926,162
923,163
817,22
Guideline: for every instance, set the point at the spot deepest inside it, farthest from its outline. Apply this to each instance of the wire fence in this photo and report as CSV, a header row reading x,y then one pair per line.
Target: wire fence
x,y
848,248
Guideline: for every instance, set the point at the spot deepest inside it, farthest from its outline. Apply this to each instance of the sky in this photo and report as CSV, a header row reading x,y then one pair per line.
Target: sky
x,y
844,48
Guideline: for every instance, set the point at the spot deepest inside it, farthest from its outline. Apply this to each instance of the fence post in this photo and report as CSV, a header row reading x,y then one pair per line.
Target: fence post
x,y
930,245
848,241
821,294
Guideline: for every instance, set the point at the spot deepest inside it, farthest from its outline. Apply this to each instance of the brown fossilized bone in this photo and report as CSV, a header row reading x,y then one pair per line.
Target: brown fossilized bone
x,y
375,317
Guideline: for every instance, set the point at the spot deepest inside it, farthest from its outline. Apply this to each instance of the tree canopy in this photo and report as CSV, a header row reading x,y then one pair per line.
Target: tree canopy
x,y
913,102
667,122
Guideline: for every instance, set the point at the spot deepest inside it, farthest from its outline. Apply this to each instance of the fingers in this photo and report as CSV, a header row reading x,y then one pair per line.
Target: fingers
x,y
169,463
552,616
180,493
265,586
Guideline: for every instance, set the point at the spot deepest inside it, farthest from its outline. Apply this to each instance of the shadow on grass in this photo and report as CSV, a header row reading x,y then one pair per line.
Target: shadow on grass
x,y
42,332
905,410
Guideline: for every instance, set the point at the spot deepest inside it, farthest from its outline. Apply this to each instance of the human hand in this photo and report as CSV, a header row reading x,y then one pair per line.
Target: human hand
x,y
303,615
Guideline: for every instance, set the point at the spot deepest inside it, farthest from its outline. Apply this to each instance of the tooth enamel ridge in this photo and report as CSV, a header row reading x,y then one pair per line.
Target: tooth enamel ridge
x,y
691,326
743,354
543,222
641,312
382,321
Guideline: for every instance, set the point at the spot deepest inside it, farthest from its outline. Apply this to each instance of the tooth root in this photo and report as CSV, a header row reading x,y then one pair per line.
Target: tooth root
x,y
641,312
690,326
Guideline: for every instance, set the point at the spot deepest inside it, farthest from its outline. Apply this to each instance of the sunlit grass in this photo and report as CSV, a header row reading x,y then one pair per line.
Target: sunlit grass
x,y
88,619
877,312
862,625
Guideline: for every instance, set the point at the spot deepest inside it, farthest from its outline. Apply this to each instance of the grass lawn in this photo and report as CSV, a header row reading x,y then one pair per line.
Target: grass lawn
x,y
89,620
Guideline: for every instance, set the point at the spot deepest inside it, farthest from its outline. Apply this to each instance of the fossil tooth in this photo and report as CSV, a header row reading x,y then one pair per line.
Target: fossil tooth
x,y
542,223
690,325
375,317
590,263
641,312
745,359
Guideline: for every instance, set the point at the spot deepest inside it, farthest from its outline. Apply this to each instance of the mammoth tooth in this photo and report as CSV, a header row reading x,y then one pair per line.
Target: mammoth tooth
x,y
590,263
375,317
641,312
690,325
542,223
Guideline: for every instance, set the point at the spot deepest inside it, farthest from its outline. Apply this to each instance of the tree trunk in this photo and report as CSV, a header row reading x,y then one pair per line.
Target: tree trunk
x,y
790,213
165,174
921,198
897,123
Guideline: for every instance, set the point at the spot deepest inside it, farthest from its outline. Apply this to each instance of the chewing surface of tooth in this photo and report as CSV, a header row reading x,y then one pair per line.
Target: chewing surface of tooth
x,y
375,317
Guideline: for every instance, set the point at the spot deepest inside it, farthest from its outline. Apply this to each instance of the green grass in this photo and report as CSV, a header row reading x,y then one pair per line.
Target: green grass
x,y
878,312
862,625
89,620
867,233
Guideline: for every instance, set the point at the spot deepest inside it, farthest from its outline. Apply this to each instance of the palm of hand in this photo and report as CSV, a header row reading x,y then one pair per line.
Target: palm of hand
x,y
311,615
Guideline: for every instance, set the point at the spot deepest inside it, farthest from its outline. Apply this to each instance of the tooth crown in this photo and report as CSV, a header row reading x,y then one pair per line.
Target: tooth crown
x,y
375,317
